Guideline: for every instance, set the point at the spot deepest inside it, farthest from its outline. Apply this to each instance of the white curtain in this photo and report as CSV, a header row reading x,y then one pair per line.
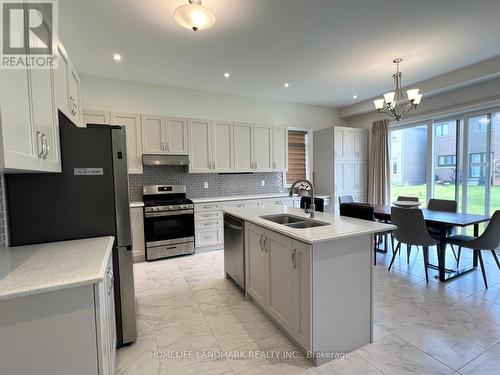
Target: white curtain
x,y
378,175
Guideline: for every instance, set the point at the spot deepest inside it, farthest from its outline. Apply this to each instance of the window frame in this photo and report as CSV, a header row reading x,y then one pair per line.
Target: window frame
x,y
309,150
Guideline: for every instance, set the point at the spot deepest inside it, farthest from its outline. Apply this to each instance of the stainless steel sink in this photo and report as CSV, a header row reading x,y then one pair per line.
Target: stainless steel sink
x,y
294,221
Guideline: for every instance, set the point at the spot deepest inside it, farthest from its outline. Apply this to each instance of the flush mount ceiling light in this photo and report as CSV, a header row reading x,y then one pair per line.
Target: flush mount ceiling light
x,y
394,103
194,16
117,57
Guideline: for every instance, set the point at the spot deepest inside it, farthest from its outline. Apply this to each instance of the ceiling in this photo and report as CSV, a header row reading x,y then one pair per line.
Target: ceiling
x,y
327,50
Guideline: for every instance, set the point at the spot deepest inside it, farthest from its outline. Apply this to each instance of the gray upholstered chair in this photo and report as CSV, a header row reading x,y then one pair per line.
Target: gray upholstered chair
x,y
437,232
411,230
345,199
407,199
489,240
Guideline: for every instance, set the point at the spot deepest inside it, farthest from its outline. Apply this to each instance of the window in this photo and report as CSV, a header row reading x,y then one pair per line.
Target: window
x,y
476,165
447,161
395,167
297,159
441,130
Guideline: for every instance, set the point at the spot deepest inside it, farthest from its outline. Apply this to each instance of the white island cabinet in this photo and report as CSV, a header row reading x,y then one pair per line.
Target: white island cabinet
x,y
57,308
314,283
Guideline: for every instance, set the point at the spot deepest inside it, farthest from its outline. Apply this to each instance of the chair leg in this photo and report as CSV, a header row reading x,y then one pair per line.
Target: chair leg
x,y
458,255
408,252
426,262
496,258
482,267
392,242
453,249
398,249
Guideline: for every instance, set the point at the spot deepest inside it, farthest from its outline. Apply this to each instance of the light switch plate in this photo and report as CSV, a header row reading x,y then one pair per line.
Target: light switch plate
x,y
205,185
263,183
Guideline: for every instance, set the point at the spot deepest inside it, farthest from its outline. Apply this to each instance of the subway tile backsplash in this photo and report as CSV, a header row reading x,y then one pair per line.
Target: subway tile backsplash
x,y
218,184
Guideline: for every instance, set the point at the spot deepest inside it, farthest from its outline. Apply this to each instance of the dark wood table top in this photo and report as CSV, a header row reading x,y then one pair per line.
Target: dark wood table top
x,y
440,217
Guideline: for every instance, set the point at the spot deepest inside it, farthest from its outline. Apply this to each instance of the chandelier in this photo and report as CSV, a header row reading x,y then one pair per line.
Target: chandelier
x,y
194,16
394,103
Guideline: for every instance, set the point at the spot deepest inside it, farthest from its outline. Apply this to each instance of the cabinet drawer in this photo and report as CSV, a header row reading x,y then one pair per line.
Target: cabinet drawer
x,y
208,237
207,206
208,215
233,204
208,224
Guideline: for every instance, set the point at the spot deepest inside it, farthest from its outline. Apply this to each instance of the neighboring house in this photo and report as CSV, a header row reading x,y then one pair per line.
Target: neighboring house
x,y
409,156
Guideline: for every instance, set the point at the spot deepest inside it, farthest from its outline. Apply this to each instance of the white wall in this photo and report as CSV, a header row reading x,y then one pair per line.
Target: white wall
x,y
449,101
133,97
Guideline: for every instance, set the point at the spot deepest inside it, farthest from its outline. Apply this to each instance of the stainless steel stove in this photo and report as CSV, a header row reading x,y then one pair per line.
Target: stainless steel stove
x,y
168,221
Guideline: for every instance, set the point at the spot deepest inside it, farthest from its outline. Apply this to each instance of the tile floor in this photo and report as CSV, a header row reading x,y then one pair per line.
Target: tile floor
x,y
186,304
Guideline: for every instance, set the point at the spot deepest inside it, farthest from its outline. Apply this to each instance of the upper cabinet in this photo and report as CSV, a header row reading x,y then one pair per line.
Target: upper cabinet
x,y
355,143
280,149
96,117
263,140
339,144
164,135
222,146
67,87
132,123
243,147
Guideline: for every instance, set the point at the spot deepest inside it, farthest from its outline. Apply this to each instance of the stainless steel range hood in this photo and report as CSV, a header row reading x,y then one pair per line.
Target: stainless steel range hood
x,y
165,160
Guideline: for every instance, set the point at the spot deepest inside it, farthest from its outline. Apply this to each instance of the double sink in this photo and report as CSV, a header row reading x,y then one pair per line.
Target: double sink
x,y
296,222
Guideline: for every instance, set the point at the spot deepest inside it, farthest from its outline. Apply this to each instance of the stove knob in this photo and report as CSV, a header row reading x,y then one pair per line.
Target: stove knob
x,y
170,207
156,208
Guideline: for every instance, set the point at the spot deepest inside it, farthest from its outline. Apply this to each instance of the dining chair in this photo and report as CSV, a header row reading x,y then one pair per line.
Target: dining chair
x,y
362,211
345,199
411,230
489,240
319,203
437,232
407,199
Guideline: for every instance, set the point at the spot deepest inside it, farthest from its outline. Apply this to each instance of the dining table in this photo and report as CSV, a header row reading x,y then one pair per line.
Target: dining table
x,y
443,220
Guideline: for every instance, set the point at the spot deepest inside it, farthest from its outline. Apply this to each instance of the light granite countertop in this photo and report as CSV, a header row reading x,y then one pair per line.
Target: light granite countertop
x,y
41,268
247,197
339,226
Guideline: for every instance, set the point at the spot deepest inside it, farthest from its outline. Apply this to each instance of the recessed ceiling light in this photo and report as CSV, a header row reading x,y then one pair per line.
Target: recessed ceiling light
x,y
227,75
117,57
286,84
354,96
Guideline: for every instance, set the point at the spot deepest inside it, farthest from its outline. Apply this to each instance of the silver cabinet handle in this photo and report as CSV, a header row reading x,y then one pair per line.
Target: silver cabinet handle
x,y
294,258
162,146
274,165
255,164
260,242
265,244
47,147
39,144
213,165
209,165
168,146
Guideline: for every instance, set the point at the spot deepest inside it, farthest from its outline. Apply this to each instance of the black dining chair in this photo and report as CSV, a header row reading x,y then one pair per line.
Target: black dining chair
x,y
412,231
407,199
489,240
319,203
437,232
362,211
345,199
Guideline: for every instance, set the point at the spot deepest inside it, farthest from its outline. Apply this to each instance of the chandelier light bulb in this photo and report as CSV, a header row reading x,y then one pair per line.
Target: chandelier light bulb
x,y
194,16
412,94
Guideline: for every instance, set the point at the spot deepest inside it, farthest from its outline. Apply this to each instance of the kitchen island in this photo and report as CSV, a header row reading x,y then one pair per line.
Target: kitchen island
x,y
314,282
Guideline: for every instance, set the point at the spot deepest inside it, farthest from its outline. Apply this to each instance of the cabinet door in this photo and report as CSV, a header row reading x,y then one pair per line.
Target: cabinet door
x,y
222,146
132,123
200,146
44,118
243,147
253,204
137,224
211,236
153,134
263,148
350,146
280,252
301,328
255,264
280,149
61,81
177,136
96,117
361,178
350,178
74,95
362,145
339,177
338,148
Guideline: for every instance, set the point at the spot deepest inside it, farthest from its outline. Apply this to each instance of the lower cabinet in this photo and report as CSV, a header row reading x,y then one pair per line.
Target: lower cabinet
x,y
278,279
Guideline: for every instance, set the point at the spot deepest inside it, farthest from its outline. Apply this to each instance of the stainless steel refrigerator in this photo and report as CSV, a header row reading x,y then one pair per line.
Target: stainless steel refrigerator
x,y
88,199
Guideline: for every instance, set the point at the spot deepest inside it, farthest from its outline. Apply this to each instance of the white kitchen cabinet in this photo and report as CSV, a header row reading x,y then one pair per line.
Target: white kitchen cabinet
x,y
278,280
280,149
361,175
74,95
263,140
208,225
350,176
132,123
350,140
301,324
279,252
243,147
361,145
164,135
222,147
200,146
278,201
154,136
339,150
339,177
137,226
96,117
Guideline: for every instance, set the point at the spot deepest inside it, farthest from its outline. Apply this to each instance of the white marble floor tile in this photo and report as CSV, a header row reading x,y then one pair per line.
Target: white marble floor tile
x,y
486,364
137,358
491,294
353,365
480,308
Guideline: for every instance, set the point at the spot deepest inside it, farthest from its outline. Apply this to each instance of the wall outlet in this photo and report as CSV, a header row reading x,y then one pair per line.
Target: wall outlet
x,y
263,183
205,185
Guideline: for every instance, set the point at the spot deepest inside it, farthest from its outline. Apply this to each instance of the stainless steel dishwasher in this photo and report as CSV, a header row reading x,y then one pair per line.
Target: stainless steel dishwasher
x,y
234,249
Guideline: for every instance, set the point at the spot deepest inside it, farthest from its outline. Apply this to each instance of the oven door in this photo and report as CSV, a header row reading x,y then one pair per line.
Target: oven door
x,y
169,227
